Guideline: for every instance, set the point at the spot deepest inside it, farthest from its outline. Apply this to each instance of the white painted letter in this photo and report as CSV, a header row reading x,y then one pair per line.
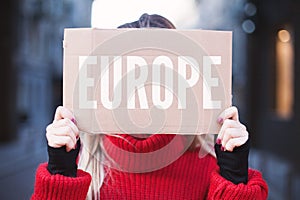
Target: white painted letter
x,y
209,82
133,83
183,82
117,91
85,82
168,85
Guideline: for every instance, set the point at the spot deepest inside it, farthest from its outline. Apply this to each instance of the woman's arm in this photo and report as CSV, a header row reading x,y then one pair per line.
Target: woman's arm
x,y
221,188
233,179
60,178
60,187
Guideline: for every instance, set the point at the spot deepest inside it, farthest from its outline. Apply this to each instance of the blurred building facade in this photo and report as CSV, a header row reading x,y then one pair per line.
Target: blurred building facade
x,y
31,44
274,95
40,28
7,75
274,70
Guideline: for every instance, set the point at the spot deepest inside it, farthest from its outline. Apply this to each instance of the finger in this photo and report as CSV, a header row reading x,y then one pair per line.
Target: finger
x,y
228,123
59,141
235,142
229,113
231,133
66,122
62,113
62,131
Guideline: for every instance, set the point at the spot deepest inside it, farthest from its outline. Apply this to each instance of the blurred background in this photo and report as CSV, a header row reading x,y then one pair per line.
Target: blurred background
x,y
266,76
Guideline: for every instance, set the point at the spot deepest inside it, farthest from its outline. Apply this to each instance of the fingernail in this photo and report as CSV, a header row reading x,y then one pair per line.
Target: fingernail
x,y
218,141
222,148
73,120
220,120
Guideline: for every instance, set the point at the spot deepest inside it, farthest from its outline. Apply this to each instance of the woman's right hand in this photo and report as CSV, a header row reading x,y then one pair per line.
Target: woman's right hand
x,y
63,130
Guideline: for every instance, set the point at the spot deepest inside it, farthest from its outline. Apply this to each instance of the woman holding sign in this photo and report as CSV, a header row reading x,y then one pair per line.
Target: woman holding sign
x,y
125,166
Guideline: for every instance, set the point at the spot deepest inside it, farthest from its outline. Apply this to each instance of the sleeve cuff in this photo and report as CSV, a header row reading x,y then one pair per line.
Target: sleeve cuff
x,y
60,187
63,162
234,165
221,188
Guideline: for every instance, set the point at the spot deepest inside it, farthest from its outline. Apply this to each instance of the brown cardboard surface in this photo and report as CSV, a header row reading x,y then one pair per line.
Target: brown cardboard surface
x,y
181,79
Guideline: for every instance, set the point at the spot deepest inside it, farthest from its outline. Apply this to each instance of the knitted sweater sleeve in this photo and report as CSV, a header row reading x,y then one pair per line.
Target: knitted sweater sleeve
x,y
220,188
59,187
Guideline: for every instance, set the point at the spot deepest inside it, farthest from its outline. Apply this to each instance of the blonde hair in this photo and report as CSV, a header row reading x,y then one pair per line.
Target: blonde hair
x,y
93,158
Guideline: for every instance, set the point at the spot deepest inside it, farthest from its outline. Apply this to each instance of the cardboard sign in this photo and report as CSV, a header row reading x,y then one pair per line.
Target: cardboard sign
x,y
147,81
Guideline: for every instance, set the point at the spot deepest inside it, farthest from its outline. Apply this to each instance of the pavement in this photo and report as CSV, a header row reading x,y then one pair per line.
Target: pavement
x,y
18,162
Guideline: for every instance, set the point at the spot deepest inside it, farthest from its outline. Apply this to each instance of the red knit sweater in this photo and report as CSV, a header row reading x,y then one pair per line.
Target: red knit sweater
x,y
189,177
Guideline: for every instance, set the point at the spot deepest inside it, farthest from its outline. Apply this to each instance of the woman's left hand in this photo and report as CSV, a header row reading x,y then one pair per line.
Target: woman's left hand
x,y
233,133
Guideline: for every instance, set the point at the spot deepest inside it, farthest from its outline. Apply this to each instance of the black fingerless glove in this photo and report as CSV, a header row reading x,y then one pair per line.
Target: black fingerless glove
x,y
63,162
234,165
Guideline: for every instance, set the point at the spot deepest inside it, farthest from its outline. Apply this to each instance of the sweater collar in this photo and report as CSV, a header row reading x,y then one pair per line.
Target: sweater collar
x,y
138,144
134,154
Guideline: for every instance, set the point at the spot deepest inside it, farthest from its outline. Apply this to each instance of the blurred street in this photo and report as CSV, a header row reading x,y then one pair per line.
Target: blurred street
x,y
18,162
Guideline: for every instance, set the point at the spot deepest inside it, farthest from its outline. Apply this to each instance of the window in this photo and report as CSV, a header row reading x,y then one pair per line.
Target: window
x,y
284,74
